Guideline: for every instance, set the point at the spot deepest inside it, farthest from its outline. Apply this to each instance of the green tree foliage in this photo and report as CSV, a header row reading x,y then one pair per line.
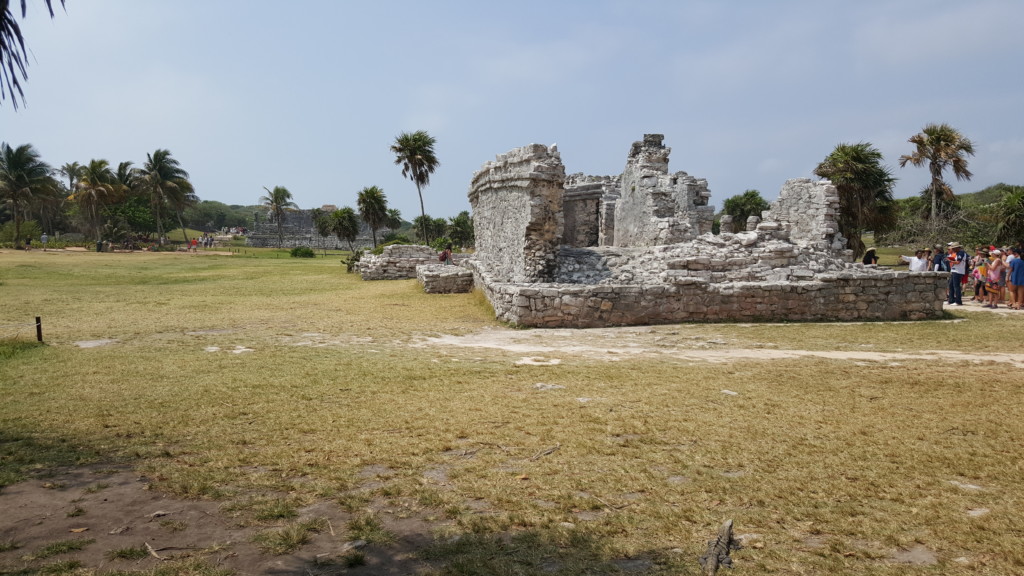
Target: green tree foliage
x,y
278,201
13,56
434,227
414,151
23,178
460,229
373,209
96,188
345,225
394,219
865,190
743,206
1010,214
940,147
166,184
72,171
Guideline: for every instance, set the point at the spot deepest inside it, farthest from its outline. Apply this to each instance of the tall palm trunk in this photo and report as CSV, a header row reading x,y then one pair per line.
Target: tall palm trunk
x,y
423,213
936,188
182,226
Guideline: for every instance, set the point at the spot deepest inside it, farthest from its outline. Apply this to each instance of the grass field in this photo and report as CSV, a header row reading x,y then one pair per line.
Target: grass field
x,y
243,379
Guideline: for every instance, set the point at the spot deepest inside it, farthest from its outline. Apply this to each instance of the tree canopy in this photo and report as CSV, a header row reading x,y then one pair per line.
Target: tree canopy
x,y
865,190
373,209
940,147
414,151
743,206
278,201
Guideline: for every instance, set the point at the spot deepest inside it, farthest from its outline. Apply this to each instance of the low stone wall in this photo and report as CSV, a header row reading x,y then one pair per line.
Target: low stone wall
x,y
396,262
834,297
444,279
399,262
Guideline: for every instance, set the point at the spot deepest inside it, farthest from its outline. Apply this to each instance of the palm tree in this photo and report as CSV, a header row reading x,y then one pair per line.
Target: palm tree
x,y
345,225
460,229
415,152
127,177
940,146
865,190
324,226
165,182
1010,225
72,171
278,200
13,56
394,221
373,208
95,188
23,176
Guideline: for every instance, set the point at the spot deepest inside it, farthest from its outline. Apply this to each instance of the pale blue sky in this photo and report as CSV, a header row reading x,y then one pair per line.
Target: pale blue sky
x,y
309,94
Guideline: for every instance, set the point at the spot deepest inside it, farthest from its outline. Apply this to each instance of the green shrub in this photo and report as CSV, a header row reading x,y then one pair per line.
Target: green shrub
x,y
441,243
350,264
303,252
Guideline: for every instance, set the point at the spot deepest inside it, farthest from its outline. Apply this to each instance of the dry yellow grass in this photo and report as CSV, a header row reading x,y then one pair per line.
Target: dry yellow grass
x,y
836,464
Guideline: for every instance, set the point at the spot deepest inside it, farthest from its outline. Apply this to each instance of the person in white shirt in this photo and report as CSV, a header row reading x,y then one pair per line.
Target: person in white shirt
x,y
917,262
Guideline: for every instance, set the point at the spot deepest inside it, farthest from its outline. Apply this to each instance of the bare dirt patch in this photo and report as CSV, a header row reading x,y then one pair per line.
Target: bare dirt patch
x,y
113,509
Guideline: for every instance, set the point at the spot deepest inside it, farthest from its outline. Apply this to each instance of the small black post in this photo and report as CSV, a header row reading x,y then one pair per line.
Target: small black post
x,y
39,329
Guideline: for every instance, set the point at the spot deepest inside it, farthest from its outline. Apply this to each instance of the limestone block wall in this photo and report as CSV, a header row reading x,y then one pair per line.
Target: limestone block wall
x,y
444,279
517,212
843,296
396,262
656,207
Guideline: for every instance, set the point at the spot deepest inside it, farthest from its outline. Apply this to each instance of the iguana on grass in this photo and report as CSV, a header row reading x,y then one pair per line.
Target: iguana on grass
x,y
718,550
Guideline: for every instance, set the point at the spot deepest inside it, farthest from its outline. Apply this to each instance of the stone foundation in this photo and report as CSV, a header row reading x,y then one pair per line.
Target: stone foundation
x,y
843,297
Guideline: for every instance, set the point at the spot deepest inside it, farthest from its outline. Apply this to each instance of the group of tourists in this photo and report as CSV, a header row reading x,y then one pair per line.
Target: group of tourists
x,y
206,241
996,274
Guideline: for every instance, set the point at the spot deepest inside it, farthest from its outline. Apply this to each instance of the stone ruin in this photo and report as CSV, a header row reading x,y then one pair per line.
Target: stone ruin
x,y
298,230
587,251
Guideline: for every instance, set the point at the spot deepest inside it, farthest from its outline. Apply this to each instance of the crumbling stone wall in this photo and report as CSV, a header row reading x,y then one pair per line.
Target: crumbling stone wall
x,y
585,204
655,207
517,212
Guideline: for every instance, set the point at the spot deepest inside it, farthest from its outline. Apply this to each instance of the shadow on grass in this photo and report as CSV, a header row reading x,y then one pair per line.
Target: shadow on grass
x,y
558,550
22,456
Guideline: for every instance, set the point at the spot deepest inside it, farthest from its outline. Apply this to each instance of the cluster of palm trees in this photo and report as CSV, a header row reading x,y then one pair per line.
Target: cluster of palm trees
x,y
865,184
29,187
414,152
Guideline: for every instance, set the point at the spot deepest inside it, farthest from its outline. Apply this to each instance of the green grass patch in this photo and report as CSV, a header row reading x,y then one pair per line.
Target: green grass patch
x,y
368,527
290,538
133,553
8,545
60,547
